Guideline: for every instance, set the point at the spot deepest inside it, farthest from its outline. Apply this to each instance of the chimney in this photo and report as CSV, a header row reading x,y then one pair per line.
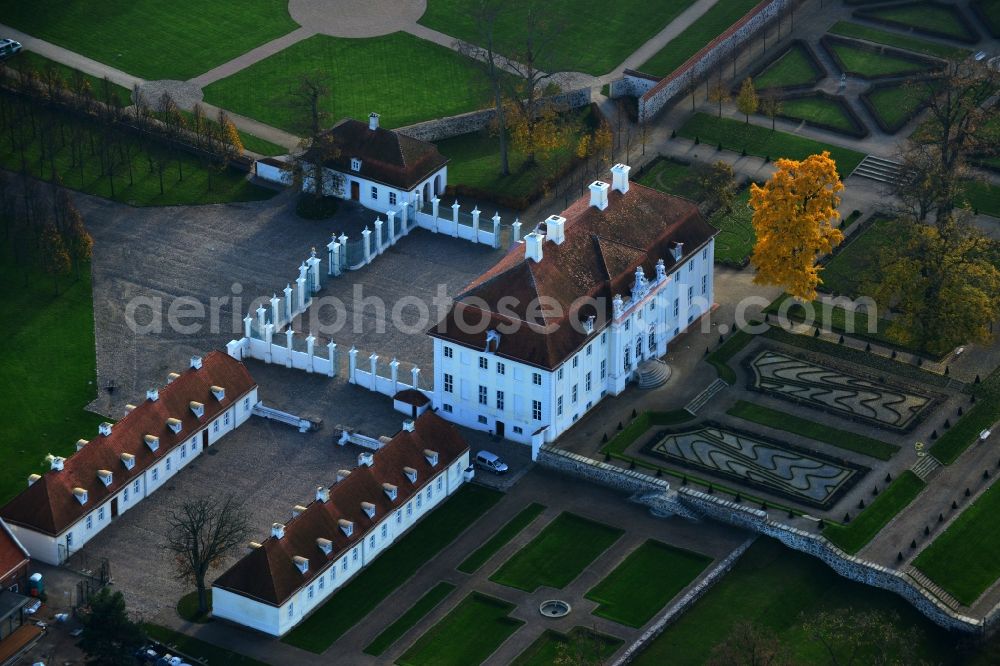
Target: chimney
x,y
32,478
599,195
298,510
152,394
104,429
301,563
619,177
105,476
277,530
555,229
533,246
366,458
152,441
373,121
346,526
56,462
588,324
390,491
172,376
677,250
368,508
196,362
219,393
325,545
80,443
254,545
322,494
432,457
129,408
342,474
409,425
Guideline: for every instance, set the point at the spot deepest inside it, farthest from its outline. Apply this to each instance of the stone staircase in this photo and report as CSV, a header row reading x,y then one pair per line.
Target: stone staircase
x,y
929,585
925,466
879,168
652,373
702,398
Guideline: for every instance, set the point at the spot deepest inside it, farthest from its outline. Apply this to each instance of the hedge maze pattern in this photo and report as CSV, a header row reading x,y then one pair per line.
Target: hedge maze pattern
x,y
835,390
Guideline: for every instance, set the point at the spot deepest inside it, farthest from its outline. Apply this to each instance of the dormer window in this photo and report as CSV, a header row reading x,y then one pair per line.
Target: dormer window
x,y
346,526
390,491
105,476
153,442
80,494
368,508
431,456
301,563
174,424
411,474
325,545
219,393
197,408
128,460
355,164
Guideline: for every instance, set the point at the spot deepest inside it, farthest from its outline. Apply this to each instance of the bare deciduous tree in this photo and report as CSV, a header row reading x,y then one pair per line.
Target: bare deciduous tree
x,y
748,645
318,146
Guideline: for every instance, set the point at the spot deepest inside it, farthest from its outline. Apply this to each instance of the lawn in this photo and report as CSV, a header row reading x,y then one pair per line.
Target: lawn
x,y
513,527
777,589
774,418
795,67
963,559
850,269
638,427
407,620
923,47
551,647
736,236
822,111
230,185
719,359
470,633
153,39
199,649
250,142
28,60
929,17
583,38
670,176
983,197
626,596
351,603
710,25
764,142
870,64
989,10
49,405
404,78
894,105
558,554
892,499
829,316
983,415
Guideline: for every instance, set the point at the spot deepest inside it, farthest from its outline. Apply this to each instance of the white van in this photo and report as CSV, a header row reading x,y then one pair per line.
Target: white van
x,y
9,47
491,462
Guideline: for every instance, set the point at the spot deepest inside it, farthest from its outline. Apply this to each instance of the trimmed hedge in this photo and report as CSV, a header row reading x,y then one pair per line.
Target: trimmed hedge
x,y
853,536
719,359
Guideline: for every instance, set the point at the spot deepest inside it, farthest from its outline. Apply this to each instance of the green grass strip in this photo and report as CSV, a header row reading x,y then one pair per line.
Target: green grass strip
x,y
391,569
407,620
558,554
763,141
963,559
500,539
199,649
469,634
774,418
893,499
25,61
848,29
626,595
555,648
643,422
719,359
983,414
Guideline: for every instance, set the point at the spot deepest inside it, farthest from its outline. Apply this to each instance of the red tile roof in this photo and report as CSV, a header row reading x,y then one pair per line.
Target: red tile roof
x,y
12,554
597,259
268,573
386,156
49,506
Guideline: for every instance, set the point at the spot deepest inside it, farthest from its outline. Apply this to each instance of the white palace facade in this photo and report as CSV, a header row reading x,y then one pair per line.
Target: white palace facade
x,y
569,314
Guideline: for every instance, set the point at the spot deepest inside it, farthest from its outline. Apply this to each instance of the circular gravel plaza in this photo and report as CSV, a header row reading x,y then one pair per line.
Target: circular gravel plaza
x,y
356,18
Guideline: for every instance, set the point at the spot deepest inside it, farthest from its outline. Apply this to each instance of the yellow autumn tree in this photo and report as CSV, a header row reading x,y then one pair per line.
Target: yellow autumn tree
x,y
231,135
793,216
748,101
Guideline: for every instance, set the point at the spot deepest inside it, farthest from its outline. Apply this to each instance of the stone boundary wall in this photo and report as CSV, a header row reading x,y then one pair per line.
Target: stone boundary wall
x,y
473,121
848,566
698,65
632,83
676,610
600,473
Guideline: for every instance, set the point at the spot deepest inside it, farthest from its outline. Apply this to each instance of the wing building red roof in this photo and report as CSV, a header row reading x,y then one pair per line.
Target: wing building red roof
x,y
597,259
12,554
269,574
49,505
386,156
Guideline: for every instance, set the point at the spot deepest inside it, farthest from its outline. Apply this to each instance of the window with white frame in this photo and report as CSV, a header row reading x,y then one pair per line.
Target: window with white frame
x,y
574,393
310,593
518,430
690,293
439,482
559,375
704,284
501,369
677,307
90,522
215,427
183,453
536,410
156,473
449,383
604,369
704,253
482,420
559,406
576,361
354,555
374,193
484,363
322,580
291,610
100,514
500,400
392,198
587,384
194,444
246,404
448,408
590,348
448,352
355,164
371,541
482,394
135,486
125,495
225,419
168,463
536,378
343,565
385,531
604,337
628,357
627,322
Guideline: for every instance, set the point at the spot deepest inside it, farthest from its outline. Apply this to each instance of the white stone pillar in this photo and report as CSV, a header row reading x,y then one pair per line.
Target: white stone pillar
x,y
496,230
261,317
435,209
275,308
248,326
343,252
269,339
331,255
288,343
415,376
352,356
392,226
367,235
314,263
300,289
378,235
394,369
335,258
405,218
454,218
288,302
331,354
310,347
515,231
475,224
373,361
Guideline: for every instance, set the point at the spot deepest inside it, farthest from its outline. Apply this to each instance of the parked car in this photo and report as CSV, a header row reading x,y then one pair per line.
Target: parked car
x,y
491,461
9,47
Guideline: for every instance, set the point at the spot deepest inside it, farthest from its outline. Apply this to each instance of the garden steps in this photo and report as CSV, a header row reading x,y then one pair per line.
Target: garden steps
x,y
879,168
925,466
653,373
932,587
702,398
